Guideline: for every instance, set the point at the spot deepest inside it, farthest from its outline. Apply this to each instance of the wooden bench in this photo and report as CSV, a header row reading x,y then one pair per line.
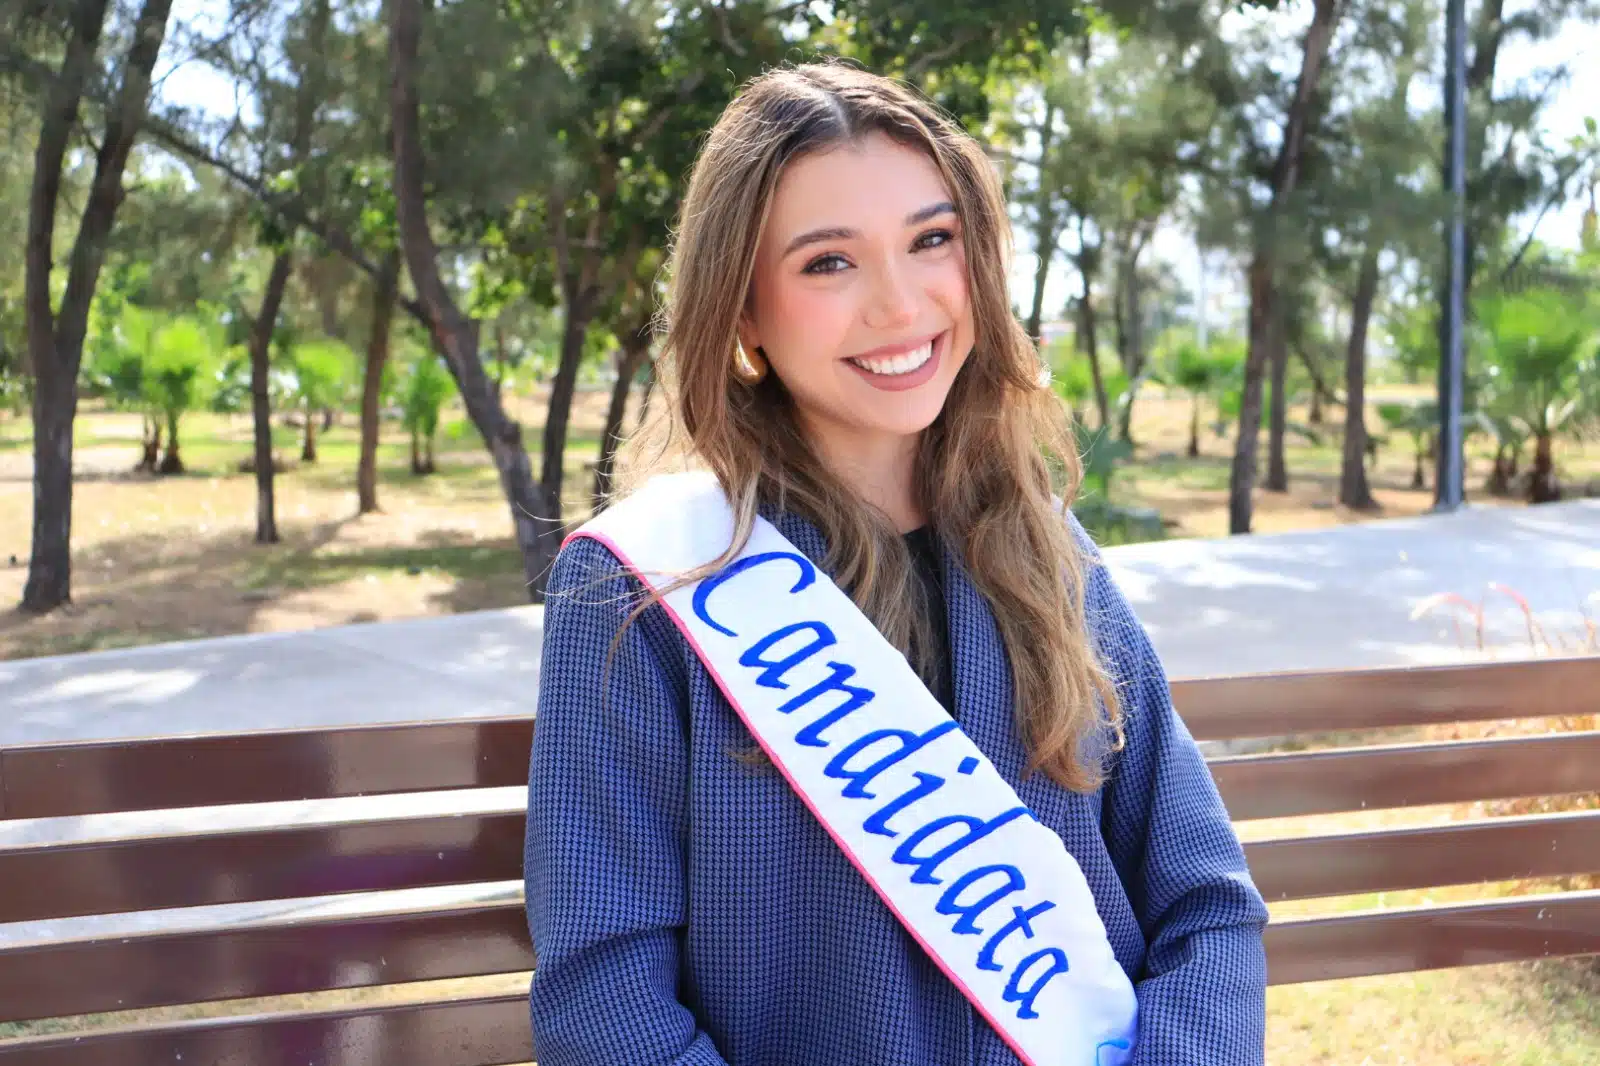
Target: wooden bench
x,y
375,939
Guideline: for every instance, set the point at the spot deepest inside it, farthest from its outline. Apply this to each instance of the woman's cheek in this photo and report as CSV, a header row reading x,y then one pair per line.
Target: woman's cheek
x,y
816,319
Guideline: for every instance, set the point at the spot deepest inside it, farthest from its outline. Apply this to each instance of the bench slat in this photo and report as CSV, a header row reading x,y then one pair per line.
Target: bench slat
x,y
1407,775
197,869
487,1031
51,780
1433,938
1271,705
1501,849
114,973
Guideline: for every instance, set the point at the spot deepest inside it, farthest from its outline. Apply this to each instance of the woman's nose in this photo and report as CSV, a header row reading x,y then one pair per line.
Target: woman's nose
x,y
892,302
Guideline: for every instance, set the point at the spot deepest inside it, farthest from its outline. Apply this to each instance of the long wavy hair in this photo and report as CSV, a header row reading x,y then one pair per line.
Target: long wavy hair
x,y
989,469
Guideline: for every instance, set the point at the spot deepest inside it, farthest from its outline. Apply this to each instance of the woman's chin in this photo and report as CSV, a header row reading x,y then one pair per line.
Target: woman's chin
x,y
904,414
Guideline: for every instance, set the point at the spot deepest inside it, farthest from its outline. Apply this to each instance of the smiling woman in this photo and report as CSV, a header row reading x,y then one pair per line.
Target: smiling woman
x,y
860,289
848,749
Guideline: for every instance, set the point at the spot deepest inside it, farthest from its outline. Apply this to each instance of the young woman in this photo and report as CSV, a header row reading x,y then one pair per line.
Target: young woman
x,y
849,751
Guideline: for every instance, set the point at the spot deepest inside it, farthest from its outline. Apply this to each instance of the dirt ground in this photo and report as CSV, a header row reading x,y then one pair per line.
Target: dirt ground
x,y
159,559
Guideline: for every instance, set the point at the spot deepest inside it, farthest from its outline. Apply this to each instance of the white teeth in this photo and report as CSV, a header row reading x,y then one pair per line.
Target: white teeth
x,y
904,363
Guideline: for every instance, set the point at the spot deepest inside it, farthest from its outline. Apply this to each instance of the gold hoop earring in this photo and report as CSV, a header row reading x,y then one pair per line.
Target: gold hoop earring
x,y
749,368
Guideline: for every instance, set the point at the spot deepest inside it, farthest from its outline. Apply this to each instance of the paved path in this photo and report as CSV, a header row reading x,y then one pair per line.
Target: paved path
x,y
1327,599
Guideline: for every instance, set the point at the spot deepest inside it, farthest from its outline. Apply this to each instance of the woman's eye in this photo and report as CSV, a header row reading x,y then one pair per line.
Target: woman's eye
x,y
934,239
826,264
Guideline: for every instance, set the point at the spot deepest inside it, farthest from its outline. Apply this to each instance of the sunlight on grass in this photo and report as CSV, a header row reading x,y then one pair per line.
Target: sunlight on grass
x,y
1534,1014
298,570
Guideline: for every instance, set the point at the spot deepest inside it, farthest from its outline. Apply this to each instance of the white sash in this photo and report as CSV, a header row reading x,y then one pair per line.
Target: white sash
x,y
991,894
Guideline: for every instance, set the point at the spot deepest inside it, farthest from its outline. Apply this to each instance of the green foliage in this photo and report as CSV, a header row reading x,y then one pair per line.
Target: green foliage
x,y
230,391
1541,352
1183,364
322,371
180,368
425,387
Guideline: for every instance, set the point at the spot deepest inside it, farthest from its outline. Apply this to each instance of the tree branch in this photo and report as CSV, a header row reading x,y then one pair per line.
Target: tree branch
x,y
920,65
1557,193
289,208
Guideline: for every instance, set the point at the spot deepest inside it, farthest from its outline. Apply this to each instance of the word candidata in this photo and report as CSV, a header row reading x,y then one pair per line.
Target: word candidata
x,y
943,838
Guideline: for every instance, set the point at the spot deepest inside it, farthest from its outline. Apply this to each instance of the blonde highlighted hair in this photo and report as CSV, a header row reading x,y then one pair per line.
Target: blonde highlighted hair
x,y
984,472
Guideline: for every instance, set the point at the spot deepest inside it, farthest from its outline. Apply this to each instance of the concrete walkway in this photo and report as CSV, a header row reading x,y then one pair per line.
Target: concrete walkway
x,y
1323,599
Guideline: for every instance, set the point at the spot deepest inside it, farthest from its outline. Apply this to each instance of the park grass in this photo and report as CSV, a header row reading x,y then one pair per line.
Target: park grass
x,y
1528,1014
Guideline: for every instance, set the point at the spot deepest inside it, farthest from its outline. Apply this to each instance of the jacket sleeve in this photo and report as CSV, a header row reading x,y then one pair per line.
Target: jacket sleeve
x,y
604,859
1202,995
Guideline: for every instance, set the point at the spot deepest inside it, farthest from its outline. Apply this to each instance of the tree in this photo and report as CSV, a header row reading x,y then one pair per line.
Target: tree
x,y
1201,372
1266,337
1419,422
56,336
321,370
633,352
178,375
1542,344
385,294
425,390
535,517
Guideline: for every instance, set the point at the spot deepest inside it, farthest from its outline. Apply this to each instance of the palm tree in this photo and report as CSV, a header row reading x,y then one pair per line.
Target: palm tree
x,y
1541,371
1417,421
1201,373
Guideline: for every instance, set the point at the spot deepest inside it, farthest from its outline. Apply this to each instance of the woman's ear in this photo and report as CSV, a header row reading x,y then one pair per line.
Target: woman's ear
x,y
749,336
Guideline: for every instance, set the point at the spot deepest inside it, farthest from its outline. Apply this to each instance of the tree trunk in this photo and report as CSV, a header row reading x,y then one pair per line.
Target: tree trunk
x,y
1041,276
649,390
55,340
308,449
1278,417
500,363
1044,233
1102,402
260,395
1504,470
562,389
172,461
55,403
1194,425
1542,484
1315,416
384,295
150,445
1091,346
416,453
633,356
535,515
1263,272
1131,330
1242,474
1354,491
1419,480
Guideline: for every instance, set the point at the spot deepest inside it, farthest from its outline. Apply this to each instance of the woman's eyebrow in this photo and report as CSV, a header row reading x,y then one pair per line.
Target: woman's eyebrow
x,y
844,233
943,207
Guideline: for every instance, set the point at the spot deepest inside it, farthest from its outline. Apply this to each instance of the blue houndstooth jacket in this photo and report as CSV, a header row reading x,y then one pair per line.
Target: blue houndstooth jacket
x,y
687,909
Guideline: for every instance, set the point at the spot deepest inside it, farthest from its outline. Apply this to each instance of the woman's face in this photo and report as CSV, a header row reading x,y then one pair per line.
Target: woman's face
x,y
860,297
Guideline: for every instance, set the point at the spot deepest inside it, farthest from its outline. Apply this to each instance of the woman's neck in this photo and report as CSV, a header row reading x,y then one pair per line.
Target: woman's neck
x,y
881,470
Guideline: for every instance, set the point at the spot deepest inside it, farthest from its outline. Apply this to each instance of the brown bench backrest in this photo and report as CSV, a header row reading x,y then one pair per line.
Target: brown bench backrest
x,y
383,939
